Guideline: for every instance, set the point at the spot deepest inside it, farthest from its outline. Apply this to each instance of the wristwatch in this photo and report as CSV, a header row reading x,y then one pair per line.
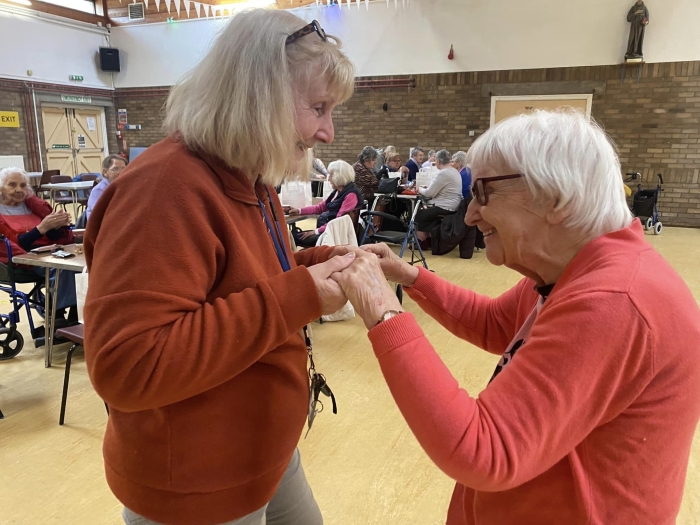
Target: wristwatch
x,y
388,315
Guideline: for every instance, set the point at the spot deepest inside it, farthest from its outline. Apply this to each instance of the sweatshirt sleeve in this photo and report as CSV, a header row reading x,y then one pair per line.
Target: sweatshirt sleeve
x,y
317,209
564,381
487,323
154,336
438,182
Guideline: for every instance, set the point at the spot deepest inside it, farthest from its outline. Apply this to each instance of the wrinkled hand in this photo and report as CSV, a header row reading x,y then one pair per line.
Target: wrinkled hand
x,y
344,249
293,211
54,221
332,296
395,269
404,169
306,235
367,289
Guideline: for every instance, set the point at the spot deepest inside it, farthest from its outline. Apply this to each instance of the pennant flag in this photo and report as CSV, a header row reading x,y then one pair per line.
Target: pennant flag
x,y
145,2
187,7
367,4
177,7
157,5
358,3
167,5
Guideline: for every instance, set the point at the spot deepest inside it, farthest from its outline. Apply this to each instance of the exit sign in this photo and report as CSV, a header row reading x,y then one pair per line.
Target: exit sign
x,y
75,77
9,119
74,98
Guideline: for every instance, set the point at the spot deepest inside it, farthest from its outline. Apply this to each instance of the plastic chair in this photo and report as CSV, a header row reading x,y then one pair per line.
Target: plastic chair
x,y
62,198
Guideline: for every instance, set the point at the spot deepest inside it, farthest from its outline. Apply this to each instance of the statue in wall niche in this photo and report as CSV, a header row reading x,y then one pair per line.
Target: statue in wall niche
x,y
638,16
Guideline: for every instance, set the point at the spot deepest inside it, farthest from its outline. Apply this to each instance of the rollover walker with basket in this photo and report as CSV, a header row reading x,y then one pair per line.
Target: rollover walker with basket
x,y
645,203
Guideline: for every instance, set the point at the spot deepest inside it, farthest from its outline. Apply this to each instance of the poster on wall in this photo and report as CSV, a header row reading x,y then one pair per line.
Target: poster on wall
x,y
81,141
91,123
121,116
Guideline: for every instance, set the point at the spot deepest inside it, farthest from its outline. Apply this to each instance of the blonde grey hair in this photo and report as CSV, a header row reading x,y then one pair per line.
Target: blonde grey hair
x,y
238,103
368,154
341,172
6,172
563,157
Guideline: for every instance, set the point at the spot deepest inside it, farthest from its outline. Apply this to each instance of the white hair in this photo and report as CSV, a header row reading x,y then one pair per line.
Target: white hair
x,y
460,158
563,157
341,172
238,103
6,172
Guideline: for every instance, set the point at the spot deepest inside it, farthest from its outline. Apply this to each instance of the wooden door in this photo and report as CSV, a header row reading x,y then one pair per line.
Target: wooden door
x,y
88,140
58,140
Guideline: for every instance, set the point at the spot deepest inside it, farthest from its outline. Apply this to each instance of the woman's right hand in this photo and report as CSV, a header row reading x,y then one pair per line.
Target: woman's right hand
x,y
294,211
331,294
53,221
395,269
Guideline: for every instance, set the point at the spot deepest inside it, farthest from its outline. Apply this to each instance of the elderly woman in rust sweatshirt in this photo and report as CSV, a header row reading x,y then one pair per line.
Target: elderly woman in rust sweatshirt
x,y
196,304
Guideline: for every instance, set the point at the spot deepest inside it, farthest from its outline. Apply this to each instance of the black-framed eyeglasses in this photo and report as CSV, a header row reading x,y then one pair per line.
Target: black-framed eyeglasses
x,y
478,189
313,27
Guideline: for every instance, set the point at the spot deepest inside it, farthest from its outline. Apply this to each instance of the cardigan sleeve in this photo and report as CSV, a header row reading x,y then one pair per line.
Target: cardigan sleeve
x,y
564,381
487,323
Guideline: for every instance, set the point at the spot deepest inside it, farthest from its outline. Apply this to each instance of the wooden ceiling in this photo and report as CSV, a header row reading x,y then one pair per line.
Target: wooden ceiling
x,y
118,11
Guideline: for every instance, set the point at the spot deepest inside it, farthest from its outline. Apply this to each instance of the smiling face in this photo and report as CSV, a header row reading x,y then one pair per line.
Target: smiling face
x,y
514,225
313,118
419,157
14,190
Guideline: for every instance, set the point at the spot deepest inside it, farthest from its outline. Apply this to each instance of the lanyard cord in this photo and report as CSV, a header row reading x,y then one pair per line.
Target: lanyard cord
x,y
276,233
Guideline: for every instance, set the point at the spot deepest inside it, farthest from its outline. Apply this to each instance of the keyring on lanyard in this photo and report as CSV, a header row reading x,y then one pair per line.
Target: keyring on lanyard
x,y
318,383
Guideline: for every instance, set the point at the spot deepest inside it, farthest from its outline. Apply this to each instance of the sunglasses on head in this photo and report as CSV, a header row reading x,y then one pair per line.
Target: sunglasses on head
x,y
313,27
478,189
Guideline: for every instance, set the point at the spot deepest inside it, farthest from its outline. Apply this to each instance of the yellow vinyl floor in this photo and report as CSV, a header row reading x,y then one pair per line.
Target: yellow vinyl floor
x,y
364,465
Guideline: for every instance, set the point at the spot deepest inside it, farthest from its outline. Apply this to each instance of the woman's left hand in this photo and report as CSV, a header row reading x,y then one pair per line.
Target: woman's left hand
x,y
367,289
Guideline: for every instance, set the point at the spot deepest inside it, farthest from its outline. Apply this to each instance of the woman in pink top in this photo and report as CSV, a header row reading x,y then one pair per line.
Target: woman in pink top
x,y
346,196
590,413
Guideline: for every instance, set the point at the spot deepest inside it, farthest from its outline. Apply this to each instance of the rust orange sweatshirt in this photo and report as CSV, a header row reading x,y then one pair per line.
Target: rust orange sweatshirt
x,y
193,339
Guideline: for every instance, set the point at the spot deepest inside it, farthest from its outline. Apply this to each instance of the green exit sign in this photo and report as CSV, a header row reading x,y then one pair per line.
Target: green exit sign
x,y
75,77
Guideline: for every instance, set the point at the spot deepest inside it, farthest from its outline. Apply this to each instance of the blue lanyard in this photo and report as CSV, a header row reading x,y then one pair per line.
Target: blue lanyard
x,y
277,240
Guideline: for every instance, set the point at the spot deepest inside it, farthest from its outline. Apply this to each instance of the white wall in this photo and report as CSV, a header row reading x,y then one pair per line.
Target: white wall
x,y
486,34
52,50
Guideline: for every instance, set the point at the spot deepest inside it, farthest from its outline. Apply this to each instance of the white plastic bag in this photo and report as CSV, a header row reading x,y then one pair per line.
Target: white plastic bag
x,y
296,194
81,288
327,189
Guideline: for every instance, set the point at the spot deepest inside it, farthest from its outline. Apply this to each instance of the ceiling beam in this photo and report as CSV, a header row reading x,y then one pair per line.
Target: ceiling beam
x,y
57,10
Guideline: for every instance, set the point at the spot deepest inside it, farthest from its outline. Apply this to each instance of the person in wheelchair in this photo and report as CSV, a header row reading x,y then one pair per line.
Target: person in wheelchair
x,y
346,197
29,222
443,196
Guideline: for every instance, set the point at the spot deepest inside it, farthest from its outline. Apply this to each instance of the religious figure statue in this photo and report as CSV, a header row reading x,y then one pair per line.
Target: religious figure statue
x,y
639,17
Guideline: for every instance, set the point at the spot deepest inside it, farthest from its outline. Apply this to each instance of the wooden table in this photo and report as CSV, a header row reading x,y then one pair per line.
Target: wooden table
x,y
72,187
44,260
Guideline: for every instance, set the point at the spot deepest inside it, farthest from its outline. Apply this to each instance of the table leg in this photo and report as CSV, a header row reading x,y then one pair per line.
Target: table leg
x,y
50,314
47,317
74,194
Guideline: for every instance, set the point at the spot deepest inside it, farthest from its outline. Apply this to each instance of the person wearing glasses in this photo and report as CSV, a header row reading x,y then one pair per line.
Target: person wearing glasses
x,y
590,412
112,167
195,320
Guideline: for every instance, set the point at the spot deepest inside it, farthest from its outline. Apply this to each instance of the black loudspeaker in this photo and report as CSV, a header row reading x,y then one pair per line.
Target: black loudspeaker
x,y
109,59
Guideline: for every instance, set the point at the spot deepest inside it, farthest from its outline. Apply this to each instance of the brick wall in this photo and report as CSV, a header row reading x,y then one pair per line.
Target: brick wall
x,y
655,122
13,141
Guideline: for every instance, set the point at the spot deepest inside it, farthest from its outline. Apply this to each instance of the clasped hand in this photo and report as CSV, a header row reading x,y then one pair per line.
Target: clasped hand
x,y
360,276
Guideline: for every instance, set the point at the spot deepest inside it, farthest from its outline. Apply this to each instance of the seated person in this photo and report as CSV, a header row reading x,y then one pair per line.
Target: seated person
x,y
364,177
415,163
459,162
29,222
444,194
393,166
346,197
112,167
431,159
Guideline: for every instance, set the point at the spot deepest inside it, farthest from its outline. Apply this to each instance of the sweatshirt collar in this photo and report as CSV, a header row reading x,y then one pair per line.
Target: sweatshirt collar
x,y
236,185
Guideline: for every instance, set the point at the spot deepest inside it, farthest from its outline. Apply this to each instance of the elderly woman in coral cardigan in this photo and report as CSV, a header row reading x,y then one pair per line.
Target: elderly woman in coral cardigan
x,y
590,413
